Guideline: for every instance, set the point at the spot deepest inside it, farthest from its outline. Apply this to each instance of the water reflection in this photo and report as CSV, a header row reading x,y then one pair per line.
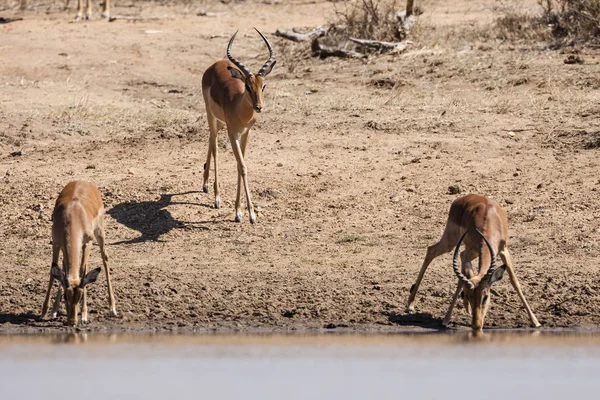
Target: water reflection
x,y
496,337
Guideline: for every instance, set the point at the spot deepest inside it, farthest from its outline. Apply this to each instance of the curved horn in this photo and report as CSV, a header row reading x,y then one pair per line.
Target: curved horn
x,y
492,268
459,274
235,62
264,71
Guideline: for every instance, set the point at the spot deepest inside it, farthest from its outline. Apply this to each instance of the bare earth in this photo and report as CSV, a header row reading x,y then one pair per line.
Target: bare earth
x,y
349,165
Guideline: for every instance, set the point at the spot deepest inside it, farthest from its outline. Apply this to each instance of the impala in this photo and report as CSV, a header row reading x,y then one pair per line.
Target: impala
x,y
233,96
77,218
88,9
475,220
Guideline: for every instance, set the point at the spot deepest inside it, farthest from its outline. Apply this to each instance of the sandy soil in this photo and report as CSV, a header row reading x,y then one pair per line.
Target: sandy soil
x,y
349,167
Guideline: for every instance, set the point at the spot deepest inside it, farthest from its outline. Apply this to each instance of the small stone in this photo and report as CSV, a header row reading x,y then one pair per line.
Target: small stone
x,y
516,174
539,186
131,172
17,153
454,189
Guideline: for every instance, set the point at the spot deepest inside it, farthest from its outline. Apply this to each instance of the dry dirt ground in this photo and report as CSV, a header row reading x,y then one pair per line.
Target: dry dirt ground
x,y
349,165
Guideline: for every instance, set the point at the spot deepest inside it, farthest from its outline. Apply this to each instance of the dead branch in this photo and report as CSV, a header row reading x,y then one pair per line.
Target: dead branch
x,y
135,19
325,51
301,37
395,47
204,13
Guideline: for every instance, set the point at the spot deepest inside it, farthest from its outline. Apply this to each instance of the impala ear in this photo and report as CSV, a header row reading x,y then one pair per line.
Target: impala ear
x,y
498,274
235,73
267,72
57,273
90,277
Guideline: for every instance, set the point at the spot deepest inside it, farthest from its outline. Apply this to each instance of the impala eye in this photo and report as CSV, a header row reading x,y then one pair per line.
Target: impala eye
x,y
485,298
264,86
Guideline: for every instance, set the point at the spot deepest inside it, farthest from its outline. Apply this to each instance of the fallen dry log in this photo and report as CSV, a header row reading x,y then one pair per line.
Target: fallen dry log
x,y
135,19
326,51
301,37
395,47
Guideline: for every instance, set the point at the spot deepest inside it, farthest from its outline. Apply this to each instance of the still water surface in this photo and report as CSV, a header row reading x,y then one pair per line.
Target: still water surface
x,y
521,365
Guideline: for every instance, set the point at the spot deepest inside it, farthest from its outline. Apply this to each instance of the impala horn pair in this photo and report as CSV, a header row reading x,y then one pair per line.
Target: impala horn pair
x,y
461,276
264,71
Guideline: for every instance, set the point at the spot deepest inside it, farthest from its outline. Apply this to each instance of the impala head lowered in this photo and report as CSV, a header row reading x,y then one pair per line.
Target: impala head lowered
x,y
255,84
73,291
476,289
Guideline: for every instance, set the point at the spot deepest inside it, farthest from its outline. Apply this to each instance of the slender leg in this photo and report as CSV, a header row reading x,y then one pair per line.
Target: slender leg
x,y
82,272
238,209
106,9
242,171
434,251
459,287
79,15
88,10
505,256
214,126
55,254
111,296
56,303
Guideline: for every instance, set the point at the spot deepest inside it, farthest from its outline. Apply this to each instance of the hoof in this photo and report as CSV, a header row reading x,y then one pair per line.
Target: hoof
x,y
84,320
113,313
410,309
205,188
217,203
252,218
238,217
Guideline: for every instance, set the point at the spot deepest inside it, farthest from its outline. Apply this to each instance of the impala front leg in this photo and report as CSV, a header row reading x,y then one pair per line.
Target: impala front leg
x,y
106,9
83,272
505,256
446,320
79,15
243,176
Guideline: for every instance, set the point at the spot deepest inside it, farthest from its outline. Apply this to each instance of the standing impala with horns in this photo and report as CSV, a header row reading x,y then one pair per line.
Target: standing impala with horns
x,y
233,96
474,220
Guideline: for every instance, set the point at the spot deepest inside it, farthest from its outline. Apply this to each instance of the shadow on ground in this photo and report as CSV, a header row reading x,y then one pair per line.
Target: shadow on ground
x,y
151,218
423,320
19,319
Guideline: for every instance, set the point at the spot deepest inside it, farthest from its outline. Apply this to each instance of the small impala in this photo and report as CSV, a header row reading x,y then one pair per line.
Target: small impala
x,y
88,9
475,220
78,217
233,96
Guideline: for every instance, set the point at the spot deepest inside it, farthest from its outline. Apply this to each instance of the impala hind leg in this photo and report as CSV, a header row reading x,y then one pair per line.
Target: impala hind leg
x,y
56,303
111,297
238,151
55,254
215,126
506,259
441,247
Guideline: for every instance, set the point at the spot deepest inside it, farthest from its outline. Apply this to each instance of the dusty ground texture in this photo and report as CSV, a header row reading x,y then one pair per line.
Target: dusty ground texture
x,y
349,167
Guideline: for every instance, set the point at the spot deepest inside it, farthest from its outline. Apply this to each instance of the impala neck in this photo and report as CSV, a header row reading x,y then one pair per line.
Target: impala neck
x,y
246,111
